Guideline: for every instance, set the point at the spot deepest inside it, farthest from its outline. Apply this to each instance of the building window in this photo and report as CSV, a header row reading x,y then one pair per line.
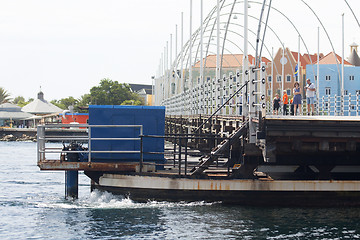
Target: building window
x,y
357,92
288,92
315,77
269,78
269,92
278,91
288,78
327,78
346,92
327,91
351,78
278,78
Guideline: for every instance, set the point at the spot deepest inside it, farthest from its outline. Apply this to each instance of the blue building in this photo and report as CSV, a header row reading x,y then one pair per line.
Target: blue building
x,y
330,72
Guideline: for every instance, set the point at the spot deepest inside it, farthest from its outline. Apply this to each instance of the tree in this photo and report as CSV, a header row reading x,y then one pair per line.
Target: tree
x,y
64,103
20,101
111,93
4,96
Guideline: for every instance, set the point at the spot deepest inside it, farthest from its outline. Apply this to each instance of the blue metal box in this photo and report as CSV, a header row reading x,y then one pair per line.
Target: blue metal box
x,y
151,118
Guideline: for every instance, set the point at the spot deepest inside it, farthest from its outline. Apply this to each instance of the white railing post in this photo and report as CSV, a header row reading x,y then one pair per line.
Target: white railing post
x,y
262,88
349,102
252,105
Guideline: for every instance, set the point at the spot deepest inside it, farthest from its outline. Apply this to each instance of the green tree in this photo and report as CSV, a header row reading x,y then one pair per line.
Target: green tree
x,y
111,93
64,103
20,101
83,103
4,96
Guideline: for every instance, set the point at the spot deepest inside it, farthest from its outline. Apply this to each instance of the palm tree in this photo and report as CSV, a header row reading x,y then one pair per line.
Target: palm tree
x,y
4,96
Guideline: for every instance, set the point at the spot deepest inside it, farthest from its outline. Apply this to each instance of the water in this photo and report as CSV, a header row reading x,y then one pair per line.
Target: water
x,y
32,206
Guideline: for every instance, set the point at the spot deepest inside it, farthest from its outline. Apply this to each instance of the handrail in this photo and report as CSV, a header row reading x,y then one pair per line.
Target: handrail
x,y
219,108
41,137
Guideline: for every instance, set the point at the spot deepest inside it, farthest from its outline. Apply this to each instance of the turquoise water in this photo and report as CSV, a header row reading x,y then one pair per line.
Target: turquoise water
x,y
32,206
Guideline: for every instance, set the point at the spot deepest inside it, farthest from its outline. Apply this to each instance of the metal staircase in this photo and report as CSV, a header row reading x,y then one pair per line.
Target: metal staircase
x,y
206,161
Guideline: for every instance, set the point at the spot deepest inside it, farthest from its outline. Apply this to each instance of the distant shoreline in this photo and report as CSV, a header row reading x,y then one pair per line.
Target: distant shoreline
x,y
30,134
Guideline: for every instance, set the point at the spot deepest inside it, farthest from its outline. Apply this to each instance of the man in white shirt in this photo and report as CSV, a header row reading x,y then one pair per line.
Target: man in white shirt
x,y
310,96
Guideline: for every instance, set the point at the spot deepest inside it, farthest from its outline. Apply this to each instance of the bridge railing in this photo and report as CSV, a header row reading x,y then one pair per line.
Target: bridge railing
x,y
347,105
43,139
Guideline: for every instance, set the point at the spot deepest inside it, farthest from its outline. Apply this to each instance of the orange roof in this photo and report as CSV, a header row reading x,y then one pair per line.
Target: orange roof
x,y
305,59
330,59
229,61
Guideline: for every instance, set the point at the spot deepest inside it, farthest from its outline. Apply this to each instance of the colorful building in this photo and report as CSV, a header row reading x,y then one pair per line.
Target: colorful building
x,y
290,60
330,76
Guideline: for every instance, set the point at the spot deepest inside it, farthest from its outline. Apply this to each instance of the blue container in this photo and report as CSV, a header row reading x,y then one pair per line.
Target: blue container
x,y
151,118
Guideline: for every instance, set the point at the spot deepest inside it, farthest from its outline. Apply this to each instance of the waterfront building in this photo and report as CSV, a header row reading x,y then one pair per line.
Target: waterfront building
x,y
11,115
144,91
285,78
231,65
41,107
330,76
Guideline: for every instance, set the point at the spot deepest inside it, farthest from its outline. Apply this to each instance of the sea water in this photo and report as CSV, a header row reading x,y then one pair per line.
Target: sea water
x,y
32,206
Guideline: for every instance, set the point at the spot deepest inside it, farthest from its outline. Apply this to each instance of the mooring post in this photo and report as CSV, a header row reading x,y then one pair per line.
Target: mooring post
x,y
72,177
71,184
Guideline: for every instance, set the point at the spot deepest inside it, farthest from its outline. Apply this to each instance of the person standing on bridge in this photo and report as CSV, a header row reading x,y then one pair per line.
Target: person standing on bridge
x,y
276,104
310,96
285,103
297,98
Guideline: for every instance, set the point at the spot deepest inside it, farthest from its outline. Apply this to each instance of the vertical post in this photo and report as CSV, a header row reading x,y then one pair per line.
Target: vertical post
x,y
176,59
174,149
252,107
171,67
190,65
71,184
182,89
262,88
349,100
167,82
179,159
201,55
40,143
186,162
357,104
342,60
282,69
272,77
89,143
318,71
229,157
245,59
180,152
141,149
218,41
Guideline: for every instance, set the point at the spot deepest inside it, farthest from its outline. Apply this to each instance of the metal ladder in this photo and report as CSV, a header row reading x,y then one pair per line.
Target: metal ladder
x,y
206,161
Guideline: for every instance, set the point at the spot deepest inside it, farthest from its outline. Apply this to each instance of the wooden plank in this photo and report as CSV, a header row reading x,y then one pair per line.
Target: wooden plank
x,y
94,166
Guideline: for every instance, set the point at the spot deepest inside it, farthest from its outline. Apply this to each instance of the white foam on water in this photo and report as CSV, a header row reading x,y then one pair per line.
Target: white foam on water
x,y
105,200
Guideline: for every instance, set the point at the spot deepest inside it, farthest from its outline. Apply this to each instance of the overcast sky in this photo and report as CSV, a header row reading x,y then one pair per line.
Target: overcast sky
x,y
68,46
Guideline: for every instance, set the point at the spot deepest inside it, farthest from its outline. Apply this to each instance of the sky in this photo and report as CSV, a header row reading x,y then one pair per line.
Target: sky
x,y
66,47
